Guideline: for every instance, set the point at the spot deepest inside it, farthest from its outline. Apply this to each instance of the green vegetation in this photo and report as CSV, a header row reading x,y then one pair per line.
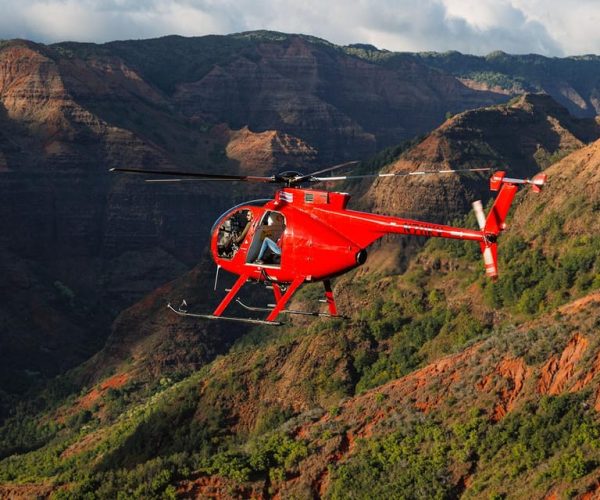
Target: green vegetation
x,y
413,463
423,459
22,430
65,294
515,73
152,480
544,159
367,52
271,455
502,80
169,60
408,326
558,431
526,72
532,281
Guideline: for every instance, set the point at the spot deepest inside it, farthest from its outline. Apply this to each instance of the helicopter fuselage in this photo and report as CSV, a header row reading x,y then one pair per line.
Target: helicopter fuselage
x,y
321,238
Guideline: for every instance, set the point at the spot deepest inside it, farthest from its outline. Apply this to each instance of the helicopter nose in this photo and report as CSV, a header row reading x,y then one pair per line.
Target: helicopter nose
x,y
361,257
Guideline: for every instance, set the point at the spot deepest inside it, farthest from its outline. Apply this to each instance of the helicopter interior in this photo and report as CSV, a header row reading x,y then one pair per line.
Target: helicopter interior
x,y
231,235
272,226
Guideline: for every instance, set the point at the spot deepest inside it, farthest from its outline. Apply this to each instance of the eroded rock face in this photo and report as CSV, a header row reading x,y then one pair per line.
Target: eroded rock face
x,y
80,244
306,89
558,371
521,138
259,153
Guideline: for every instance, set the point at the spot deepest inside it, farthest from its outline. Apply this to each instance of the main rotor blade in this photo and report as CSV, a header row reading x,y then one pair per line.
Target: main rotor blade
x,y
192,180
312,176
399,174
196,175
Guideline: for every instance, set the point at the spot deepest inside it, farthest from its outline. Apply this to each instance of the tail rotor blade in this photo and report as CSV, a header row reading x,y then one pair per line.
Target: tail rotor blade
x,y
479,214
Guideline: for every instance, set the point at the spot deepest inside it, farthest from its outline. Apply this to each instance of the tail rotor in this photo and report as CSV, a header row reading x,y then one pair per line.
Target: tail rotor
x,y
492,225
489,247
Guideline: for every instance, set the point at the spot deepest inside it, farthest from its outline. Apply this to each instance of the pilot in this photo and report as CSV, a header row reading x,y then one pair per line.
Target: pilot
x,y
272,236
240,238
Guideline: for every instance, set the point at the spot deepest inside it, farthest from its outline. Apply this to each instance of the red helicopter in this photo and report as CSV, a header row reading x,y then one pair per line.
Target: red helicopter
x,y
305,235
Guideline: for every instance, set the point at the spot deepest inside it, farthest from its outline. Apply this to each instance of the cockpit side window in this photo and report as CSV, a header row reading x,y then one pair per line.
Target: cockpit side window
x,y
232,233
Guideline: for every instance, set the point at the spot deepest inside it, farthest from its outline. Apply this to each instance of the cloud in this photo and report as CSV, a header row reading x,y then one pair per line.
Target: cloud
x,y
574,24
549,27
101,21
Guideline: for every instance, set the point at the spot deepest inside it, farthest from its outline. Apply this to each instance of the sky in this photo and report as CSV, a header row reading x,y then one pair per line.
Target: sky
x,y
548,27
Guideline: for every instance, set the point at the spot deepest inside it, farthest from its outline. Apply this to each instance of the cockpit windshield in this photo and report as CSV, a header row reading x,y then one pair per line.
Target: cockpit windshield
x,y
253,203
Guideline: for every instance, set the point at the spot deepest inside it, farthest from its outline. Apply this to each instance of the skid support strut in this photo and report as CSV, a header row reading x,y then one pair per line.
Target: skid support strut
x,y
232,293
276,292
329,298
285,297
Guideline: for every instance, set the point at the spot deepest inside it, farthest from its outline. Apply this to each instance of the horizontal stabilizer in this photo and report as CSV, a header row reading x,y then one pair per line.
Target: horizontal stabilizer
x,y
499,178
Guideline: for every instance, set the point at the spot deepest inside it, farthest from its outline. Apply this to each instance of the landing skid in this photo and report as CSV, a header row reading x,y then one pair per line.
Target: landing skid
x,y
290,311
282,292
226,318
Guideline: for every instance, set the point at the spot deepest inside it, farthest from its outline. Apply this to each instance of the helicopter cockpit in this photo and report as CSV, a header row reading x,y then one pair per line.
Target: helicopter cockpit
x,y
265,247
232,233
234,227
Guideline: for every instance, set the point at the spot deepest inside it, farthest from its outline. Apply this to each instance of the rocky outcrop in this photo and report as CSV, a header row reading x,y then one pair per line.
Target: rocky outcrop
x,y
260,153
521,138
512,372
558,371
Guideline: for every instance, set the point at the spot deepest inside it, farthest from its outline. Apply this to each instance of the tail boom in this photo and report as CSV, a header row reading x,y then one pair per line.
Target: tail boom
x,y
417,228
369,227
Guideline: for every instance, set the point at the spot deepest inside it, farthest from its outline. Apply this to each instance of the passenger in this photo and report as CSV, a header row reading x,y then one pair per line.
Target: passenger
x,y
272,236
